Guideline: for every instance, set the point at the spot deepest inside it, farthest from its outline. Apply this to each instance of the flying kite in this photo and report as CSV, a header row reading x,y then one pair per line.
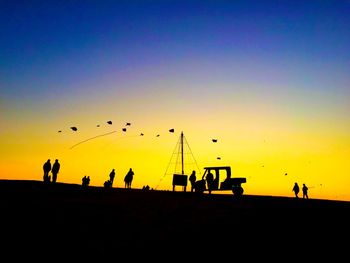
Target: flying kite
x,y
128,124
214,140
124,129
59,131
158,135
109,122
171,130
74,128
141,134
219,158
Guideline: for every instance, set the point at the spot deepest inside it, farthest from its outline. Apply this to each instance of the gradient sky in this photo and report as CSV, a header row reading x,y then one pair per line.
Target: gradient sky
x,y
269,79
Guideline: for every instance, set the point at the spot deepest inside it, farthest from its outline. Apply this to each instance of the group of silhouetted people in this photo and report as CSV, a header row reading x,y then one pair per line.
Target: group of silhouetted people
x,y
109,182
85,181
54,169
146,188
296,190
209,180
127,179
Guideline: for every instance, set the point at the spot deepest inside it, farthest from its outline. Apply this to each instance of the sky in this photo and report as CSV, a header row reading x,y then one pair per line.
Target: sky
x,y
268,79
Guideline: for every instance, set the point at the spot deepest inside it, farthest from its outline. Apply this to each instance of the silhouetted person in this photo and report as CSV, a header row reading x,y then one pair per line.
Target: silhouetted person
x,y
210,181
107,184
305,189
192,179
55,170
47,169
145,187
111,176
296,189
128,178
85,181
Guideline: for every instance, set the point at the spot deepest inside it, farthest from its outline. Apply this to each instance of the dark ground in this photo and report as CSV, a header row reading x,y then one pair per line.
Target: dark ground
x,y
66,219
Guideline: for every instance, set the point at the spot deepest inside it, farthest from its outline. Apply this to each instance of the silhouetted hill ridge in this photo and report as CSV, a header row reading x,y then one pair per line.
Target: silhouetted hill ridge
x,y
101,218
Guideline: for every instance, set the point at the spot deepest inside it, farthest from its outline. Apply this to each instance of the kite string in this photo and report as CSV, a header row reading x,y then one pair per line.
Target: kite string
x,y
91,139
99,136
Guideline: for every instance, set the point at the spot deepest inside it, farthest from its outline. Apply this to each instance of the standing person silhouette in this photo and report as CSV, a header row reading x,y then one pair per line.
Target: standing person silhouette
x,y
47,169
296,189
305,189
111,177
83,181
193,179
210,180
128,178
55,170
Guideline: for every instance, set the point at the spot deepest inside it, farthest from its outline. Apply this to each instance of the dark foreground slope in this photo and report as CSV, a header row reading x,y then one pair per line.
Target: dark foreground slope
x,y
66,218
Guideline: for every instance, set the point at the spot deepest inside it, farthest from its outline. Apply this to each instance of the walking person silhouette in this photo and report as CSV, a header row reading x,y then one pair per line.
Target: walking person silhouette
x,y
55,170
305,189
128,178
296,189
47,169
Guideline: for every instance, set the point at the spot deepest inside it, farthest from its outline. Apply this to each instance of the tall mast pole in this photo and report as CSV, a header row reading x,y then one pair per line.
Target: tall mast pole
x,y
182,152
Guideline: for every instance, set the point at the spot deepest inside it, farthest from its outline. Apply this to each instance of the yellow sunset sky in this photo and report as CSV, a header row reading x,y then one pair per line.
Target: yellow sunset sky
x,y
269,82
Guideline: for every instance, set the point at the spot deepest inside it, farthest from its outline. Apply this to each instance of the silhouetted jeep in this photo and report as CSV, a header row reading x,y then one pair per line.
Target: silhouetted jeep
x,y
233,184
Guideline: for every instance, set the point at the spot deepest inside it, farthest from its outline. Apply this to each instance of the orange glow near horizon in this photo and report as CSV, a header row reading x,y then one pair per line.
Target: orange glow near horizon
x,y
258,144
